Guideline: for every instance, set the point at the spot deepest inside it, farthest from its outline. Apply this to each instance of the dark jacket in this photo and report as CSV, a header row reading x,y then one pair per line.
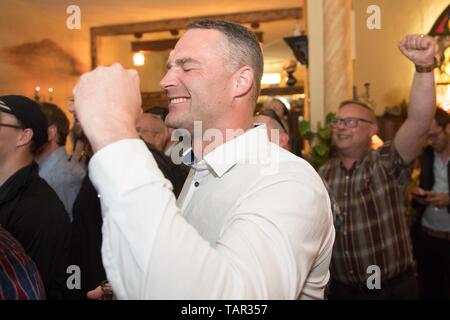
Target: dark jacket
x,y
32,212
85,249
426,161
426,177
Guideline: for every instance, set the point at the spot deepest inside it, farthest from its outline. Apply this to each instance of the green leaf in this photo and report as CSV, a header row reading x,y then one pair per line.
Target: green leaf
x,y
329,119
324,134
309,136
321,149
304,127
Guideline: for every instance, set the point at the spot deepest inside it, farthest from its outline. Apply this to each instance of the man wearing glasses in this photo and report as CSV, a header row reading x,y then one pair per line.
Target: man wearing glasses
x,y
29,208
372,257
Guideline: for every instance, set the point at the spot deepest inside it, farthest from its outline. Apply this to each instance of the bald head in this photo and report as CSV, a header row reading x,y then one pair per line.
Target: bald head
x,y
278,106
151,129
362,107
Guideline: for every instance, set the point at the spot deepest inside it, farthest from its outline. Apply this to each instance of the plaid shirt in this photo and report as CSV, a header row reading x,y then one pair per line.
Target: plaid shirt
x,y
371,226
19,276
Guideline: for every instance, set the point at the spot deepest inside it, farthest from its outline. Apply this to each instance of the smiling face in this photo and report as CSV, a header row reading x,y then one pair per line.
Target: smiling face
x,y
358,139
198,80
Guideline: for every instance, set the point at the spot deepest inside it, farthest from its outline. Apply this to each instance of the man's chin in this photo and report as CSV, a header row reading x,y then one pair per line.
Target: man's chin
x,y
176,124
172,123
342,145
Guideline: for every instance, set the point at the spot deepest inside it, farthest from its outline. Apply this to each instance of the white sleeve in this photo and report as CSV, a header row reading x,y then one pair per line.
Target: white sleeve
x,y
150,251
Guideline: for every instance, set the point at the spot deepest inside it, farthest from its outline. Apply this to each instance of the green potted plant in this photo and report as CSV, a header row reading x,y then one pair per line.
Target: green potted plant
x,y
319,141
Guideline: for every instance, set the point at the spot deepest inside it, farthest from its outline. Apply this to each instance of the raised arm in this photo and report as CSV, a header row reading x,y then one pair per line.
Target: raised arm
x,y
420,50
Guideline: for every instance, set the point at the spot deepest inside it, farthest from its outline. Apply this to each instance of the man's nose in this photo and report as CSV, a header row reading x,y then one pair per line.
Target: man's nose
x,y
168,80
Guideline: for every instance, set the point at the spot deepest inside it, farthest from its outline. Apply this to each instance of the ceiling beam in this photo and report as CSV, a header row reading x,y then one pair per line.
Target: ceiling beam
x,y
154,45
181,23
167,44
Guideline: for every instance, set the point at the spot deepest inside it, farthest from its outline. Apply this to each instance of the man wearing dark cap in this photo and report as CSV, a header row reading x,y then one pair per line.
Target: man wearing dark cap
x,y
29,209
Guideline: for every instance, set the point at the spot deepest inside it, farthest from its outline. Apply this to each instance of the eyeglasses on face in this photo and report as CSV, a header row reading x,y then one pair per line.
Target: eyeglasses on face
x,y
349,122
273,115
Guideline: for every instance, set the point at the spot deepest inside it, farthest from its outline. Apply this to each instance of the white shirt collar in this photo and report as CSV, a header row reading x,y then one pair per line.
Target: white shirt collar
x,y
247,146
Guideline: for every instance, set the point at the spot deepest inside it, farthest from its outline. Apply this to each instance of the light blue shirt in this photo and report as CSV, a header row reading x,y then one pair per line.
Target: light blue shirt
x,y
65,177
435,218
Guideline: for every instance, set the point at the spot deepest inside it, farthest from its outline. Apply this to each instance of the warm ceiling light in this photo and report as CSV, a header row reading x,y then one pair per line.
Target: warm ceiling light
x,y
271,78
139,59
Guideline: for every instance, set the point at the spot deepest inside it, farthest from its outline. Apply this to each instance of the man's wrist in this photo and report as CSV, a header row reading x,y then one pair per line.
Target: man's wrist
x,y
427,68
102,142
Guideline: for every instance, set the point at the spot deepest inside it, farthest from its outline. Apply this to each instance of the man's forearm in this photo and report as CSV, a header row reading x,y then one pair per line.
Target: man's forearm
x,y
408,140
422,101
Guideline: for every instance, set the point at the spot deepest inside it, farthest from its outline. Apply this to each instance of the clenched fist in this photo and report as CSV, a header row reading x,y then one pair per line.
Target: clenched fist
x,y
107,104
419,49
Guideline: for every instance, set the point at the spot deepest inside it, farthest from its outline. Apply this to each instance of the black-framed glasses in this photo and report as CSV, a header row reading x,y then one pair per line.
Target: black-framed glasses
x,y
273,115
10,125
349,122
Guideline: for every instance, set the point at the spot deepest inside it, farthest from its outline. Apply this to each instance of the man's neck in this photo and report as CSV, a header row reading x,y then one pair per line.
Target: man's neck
x,y
209,139
349,158
46,152
445,155
12,165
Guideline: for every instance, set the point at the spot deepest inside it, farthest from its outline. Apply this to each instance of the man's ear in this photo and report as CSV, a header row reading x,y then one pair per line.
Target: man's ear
x,y
447,129
52,132
284,140
243,81
25,137
374,129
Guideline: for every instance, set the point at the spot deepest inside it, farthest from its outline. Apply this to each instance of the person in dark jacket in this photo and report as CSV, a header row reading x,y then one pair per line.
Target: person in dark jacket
x,y
431,232
29,208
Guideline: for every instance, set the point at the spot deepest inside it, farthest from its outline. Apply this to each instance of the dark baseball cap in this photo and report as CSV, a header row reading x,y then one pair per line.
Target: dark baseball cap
x,y
29,114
